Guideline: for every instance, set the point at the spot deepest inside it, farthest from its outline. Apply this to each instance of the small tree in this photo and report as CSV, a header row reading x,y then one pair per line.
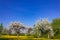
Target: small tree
x,y
1,27
4,31
29,30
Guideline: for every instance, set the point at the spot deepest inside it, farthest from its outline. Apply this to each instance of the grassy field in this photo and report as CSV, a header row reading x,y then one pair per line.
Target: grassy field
x,y
7,37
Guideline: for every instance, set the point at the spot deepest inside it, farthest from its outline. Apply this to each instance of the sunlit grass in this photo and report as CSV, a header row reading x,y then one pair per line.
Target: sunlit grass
x,y
7,36
23,38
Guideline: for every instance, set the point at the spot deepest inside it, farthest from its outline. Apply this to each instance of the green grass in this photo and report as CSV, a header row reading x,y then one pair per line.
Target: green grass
x,y
57,37
26,39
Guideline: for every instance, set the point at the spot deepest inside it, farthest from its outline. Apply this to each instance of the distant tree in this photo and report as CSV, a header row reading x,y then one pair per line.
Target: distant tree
x,y
29,30
1,27
4,31
41,27
56,25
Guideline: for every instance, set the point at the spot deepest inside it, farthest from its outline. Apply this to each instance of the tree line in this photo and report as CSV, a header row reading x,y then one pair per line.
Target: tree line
x,y
41,28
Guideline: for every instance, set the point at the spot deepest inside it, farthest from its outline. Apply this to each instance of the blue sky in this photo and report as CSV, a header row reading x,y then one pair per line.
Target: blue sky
x,y
28,11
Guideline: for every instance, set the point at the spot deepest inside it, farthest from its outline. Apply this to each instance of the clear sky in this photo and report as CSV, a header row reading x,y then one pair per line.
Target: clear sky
x,y
28,11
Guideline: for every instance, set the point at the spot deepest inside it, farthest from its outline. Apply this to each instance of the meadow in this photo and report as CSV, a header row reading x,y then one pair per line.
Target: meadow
x,y
8,37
